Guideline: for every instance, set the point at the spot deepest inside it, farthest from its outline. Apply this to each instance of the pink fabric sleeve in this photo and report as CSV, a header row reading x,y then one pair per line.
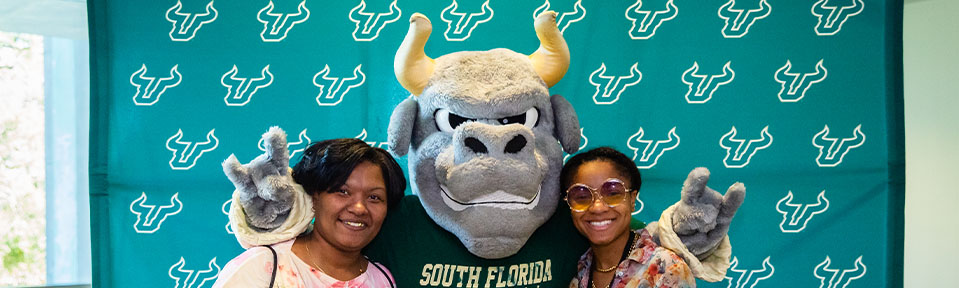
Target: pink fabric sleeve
x,y
252,268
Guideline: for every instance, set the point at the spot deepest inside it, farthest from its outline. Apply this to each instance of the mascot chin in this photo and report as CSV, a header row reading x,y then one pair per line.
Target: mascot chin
x,y
485,142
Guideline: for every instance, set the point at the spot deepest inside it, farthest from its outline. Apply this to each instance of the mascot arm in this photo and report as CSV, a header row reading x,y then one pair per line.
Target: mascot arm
x,y
696,227
268,206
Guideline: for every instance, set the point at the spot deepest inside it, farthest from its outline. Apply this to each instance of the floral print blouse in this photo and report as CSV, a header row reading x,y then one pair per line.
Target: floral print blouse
x,y
648,266
254,268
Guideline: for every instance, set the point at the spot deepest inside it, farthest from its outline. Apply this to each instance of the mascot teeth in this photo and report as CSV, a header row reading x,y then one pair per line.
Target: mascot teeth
x,y
498,199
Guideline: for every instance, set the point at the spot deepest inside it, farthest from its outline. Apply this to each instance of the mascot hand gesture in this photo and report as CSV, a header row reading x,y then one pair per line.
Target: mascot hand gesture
x,y
484,140
267,194
696,227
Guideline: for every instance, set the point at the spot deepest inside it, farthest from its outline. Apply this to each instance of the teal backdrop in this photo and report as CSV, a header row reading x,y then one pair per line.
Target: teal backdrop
x,y
799,100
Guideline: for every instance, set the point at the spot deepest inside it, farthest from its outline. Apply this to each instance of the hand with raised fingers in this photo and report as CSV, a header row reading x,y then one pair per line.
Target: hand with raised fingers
x,y
701,219
264,186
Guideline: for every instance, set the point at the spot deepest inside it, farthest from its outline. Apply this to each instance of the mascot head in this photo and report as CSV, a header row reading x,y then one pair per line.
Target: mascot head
x,y
484,136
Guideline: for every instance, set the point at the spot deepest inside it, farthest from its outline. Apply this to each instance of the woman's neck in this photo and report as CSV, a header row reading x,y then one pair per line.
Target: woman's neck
x,y
339,264
606,256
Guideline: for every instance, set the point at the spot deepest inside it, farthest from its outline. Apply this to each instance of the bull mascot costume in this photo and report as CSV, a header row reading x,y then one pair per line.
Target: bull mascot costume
x,y
485,142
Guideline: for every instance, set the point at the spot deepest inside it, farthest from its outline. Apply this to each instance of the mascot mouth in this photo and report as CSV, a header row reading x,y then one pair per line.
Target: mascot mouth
x,y
498,199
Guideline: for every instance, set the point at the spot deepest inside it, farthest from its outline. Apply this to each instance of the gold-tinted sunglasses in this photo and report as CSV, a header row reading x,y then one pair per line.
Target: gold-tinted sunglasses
x,y
580,196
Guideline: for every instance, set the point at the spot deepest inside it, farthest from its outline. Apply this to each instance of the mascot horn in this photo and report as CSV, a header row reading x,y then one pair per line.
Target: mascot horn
x,y
485,142
481,134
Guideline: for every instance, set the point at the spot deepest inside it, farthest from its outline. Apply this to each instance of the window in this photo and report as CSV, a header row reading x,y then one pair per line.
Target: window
x,y
44,112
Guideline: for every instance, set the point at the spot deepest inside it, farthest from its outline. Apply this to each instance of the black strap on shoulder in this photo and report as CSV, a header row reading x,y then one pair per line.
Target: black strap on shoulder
x,y
275,265
377,265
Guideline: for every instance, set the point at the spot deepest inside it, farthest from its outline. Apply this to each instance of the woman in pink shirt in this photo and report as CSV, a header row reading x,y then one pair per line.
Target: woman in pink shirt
x,y
351,186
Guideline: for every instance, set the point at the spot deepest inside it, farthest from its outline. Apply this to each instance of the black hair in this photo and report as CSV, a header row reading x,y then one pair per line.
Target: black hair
x,y
623,164
326,165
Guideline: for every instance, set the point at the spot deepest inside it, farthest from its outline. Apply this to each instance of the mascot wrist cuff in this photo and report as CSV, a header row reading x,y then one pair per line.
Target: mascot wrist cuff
x,y
301,214
712,267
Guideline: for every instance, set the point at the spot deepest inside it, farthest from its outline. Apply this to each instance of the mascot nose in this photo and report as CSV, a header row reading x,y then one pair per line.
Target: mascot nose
x,y
475,145
514,145
475,139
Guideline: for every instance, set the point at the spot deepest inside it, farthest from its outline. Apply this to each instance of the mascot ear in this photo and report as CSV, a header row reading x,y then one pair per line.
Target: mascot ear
x,y
401,127
567,124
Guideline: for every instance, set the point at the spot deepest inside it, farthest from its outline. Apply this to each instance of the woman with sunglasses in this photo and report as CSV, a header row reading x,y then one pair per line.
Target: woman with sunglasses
x,y
601,188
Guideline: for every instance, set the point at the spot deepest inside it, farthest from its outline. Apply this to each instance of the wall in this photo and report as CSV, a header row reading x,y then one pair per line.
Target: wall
x,y
931,68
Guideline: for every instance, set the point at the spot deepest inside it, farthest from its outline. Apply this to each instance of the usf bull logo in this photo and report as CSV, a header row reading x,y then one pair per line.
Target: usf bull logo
x,y
794,85
294,147
796,216
193,278
363,135
185,25
608,88
331,88
150,88
738,20
241,89
369,24
832,14
651,149
706,85
277,25
226,211
645,22
748,278
639,207
464,22
832,150
740,151
565,18
150,216
185,153
836,278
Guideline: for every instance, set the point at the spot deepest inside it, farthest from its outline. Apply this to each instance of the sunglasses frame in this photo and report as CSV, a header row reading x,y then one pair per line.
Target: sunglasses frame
x,y
594,192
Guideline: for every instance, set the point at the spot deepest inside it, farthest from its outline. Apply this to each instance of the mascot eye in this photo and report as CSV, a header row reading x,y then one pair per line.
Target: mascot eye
x,y
446,121
528,119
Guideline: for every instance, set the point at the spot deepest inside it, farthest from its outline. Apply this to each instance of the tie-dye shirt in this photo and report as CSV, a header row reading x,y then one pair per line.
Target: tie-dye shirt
x,y
648,266
254,268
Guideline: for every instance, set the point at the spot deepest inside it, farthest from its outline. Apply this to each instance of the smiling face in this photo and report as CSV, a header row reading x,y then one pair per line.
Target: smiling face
x,y
602,224
348,217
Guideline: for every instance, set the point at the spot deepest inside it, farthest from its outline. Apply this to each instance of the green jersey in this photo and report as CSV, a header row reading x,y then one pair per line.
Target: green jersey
x,y
420,253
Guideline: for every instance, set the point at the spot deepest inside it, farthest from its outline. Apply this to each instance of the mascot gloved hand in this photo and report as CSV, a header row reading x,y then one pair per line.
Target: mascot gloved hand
x,y
485,142
696,227
273,208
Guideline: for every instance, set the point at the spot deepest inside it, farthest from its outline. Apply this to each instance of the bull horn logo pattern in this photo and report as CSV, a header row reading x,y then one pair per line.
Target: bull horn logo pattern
x,y
566,18
646,22
465,22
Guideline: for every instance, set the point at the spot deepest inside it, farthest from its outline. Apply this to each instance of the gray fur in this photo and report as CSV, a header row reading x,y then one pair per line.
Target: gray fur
x,y
567,124
702,217
400,130
486,86
264,186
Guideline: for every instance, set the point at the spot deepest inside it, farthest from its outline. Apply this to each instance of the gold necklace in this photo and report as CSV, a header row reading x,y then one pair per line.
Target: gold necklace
x,y
607,284
611,268
606,270
313,261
